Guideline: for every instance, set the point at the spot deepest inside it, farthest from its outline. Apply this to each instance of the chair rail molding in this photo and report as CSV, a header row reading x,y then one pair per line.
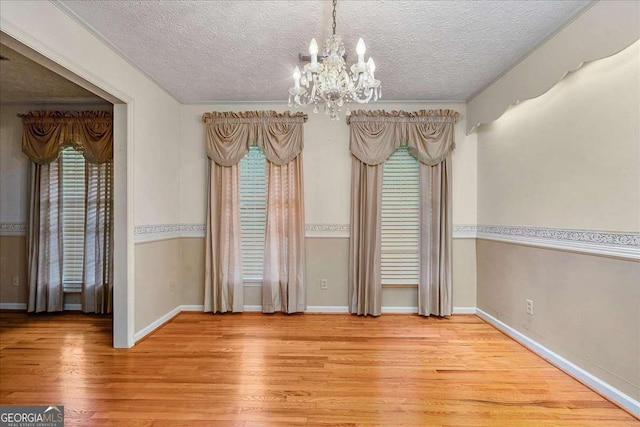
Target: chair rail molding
x,y
615,244
13,229
155,232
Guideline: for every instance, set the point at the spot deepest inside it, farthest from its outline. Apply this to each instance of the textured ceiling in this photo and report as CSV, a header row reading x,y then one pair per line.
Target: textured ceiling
x,y
24,81
202,51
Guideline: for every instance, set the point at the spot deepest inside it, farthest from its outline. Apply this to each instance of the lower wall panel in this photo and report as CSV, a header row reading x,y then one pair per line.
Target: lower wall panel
x,y
192,270
157,280
328,258
586,307
13,262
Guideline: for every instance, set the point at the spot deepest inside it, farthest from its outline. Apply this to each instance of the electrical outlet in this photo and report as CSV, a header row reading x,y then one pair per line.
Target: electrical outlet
x,y
529,307
172,286
15,281
323,284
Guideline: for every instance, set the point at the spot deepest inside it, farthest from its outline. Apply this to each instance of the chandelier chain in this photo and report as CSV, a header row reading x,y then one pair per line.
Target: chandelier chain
x,y
334,16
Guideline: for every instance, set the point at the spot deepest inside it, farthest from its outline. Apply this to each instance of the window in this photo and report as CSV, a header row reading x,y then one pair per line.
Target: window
x,y
400,220
73,210
253,209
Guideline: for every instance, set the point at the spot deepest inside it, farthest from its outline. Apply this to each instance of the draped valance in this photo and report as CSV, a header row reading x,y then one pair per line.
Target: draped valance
x,y
45,133
229,135
428,134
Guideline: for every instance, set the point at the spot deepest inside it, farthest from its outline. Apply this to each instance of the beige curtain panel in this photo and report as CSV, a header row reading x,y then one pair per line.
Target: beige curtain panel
x,y
364,286
44,274
228,138
223,258
45,133
284,267
436,231
429,136
97,284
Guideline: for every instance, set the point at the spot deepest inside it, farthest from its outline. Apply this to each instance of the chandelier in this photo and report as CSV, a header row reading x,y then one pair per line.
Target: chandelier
x,y
330,82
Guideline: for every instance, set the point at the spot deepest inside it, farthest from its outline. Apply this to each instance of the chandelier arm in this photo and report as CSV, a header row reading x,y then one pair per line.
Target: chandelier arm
x,y
313,90
364,100
360,83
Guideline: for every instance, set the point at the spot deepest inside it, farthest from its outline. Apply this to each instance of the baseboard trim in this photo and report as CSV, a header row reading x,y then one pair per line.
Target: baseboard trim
x,y
590,380
464,310
156,324
345,309
13,306
327,309
192,308
399,310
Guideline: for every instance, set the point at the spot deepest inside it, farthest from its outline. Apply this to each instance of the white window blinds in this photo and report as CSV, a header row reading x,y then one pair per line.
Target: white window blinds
x,y
400,220
73,210
253,209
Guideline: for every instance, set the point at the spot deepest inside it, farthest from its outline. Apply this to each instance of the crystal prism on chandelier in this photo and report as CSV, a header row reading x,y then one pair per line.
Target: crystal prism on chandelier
x,y
330,82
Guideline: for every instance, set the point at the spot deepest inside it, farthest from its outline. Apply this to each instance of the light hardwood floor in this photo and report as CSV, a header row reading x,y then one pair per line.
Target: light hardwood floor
x,y
278,370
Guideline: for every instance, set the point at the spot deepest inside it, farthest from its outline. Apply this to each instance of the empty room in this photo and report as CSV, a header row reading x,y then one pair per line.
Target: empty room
x,y
320,212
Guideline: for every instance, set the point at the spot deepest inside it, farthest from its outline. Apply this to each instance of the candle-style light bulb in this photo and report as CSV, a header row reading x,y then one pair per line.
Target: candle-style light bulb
x,y
372,66
313,51
313,47
360,50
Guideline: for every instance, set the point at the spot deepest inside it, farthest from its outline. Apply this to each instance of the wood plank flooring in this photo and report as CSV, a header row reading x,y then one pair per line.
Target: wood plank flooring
x,y
278,370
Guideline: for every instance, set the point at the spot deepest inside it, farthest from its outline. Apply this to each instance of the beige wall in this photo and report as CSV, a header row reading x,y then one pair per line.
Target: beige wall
x,y
464,273
585,307
157,280
14,166
327,175
568,159
604,29
328,258
192,271
13,258
13,204
327,163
